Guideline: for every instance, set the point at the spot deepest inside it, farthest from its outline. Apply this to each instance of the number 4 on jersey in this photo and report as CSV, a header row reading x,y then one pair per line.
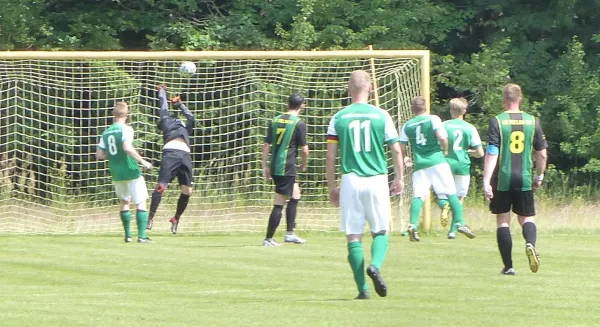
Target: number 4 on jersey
x,y
421,139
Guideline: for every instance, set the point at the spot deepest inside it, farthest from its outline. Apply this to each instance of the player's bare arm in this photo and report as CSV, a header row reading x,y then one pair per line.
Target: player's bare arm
x,y
491,157
541,157
100,154
476,153
397,186
441,135
266,150
407,160
489,165
334,192
131,151
304,154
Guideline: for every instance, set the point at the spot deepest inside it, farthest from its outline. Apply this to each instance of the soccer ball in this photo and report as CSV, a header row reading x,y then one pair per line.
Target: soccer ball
x,y
187,68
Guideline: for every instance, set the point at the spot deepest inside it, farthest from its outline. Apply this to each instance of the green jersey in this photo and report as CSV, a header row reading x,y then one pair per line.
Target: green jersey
x,y
420,132
362,130
286,133
461,137
122,166
514,136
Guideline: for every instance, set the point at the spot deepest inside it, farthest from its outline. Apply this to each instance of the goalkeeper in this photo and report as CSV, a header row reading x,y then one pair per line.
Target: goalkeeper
x,y
176,158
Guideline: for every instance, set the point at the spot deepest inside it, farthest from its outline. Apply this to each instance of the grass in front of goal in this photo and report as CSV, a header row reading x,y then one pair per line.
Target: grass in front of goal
x,y
233,281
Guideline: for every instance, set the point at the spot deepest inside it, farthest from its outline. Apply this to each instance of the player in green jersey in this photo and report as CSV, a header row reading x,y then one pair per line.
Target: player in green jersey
x,y
513,138
426,134
285,135
116,146
361,132
463,141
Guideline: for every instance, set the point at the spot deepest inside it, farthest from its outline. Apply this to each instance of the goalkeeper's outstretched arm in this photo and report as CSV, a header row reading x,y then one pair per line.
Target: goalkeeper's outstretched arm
x,y
163,111
191,120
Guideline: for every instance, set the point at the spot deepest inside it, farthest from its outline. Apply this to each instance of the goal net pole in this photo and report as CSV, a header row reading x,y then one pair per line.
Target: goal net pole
x,y
55,105
376,98
426,92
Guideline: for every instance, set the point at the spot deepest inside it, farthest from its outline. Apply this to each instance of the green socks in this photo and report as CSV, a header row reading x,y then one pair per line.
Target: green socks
x,y
357,263
442,203
141,218
415,211
379,250
457,212
126,219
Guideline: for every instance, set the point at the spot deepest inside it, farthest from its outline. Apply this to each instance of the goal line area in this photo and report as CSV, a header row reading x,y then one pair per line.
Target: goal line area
x,y
55,105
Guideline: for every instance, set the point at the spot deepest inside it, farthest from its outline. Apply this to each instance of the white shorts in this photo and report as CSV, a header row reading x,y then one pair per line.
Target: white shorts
x,y
133,190
462,183
364,199
438,176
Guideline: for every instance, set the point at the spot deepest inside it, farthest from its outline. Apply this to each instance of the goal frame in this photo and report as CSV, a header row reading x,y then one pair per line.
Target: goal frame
x,y
422,55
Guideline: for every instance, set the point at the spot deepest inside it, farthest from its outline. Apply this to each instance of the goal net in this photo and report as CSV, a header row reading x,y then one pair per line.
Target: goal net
x,y
55,105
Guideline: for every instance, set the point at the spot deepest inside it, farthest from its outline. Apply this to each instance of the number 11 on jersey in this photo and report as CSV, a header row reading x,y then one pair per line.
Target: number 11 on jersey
x,y
357,126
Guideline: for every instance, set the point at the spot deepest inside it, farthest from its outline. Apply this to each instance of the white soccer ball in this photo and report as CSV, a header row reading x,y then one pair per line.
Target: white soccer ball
x,y
187,68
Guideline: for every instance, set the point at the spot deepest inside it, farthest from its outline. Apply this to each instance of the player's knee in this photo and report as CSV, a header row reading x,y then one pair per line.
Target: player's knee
x,y
160,189
379,233
296,194
353,238
187,190
419,198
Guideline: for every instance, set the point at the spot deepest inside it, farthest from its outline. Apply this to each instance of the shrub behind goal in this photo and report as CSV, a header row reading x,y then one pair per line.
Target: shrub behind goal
x,y
54,106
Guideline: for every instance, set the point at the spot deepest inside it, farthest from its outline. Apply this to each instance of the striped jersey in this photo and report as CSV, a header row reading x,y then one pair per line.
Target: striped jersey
x,y
286,133
516,135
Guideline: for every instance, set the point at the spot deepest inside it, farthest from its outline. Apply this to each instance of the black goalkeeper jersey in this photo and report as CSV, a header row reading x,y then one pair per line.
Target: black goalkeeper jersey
x,y
172,127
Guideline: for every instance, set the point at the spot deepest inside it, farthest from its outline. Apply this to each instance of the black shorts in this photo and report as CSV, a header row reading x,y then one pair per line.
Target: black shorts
x,y
521,203
284,185
176,163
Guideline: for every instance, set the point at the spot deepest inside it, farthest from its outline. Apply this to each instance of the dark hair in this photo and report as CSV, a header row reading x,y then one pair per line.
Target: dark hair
x,y
295,101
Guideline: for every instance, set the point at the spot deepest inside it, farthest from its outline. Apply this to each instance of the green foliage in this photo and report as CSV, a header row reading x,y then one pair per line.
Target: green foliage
x,y
550,48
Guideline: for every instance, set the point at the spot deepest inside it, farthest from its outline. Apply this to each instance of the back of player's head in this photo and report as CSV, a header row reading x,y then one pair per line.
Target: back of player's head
x,y
512,93
295,101
121,109
360,82
459,106
418,105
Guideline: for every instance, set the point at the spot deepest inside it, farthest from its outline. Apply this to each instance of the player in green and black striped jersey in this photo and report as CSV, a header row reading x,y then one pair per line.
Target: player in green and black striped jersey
x,y
514,137
285,135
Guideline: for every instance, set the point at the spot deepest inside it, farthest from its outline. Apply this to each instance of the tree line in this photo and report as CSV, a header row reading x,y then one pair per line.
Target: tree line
x,y
551,48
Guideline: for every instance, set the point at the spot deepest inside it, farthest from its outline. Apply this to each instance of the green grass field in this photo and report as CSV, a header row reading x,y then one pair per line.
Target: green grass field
x,y
233,281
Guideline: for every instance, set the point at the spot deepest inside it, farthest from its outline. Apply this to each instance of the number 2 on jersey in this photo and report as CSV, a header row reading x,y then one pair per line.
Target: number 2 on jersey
x,y
357,126
517,142
112,145
458,134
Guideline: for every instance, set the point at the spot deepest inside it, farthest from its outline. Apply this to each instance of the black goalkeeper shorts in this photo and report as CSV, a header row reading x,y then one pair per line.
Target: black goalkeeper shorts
x,y
284,185
521,203
176,163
